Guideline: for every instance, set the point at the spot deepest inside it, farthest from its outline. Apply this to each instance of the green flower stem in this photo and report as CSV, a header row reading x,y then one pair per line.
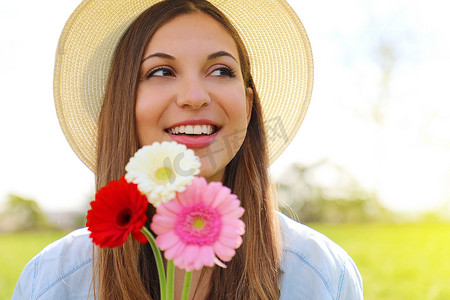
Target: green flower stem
x,y
170,279
159,262
186,285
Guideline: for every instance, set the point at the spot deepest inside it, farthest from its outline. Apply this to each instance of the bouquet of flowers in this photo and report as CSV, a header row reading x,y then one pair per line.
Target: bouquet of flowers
x,y
196,223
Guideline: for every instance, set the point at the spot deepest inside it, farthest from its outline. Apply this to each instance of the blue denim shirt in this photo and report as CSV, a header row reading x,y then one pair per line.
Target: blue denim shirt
x,y
312,268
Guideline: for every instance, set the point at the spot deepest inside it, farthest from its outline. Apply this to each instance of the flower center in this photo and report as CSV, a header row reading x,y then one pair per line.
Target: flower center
x,y
124,217
163,174
198,224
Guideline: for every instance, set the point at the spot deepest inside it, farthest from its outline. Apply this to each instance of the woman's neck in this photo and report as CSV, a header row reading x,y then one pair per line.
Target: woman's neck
x,y
199,284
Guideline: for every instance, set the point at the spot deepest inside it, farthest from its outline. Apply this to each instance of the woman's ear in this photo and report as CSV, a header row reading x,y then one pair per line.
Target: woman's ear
x,y
249,106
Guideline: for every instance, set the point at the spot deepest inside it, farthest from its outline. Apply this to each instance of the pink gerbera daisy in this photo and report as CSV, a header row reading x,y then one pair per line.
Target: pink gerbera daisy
x,y
200,226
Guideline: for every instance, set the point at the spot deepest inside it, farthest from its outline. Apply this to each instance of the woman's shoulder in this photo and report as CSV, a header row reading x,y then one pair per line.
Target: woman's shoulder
x,y
302,239
64,267
314,266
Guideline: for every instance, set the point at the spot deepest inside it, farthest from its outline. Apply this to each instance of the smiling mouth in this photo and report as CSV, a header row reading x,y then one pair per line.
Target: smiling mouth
x,y
192,130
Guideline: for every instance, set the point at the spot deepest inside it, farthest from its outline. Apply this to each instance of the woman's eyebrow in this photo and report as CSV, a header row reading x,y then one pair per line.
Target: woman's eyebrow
x,y
211,56
219,54
158,54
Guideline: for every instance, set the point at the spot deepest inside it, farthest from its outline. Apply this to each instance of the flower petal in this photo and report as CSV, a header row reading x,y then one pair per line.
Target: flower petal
x,y
231,231
175,252
209,193
205,258
223,252
140,237
221,196
172,206
219,263
165,220
191,253
167,240
158,229
231,242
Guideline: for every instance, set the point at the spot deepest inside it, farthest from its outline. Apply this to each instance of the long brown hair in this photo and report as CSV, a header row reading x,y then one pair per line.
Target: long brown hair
x,y
129,272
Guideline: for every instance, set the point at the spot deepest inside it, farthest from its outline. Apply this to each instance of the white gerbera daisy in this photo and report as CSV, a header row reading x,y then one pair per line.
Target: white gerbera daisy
x,y
161,170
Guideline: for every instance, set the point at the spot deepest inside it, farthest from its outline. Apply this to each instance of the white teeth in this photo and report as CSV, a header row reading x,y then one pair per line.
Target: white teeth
x,y
192,129
189,130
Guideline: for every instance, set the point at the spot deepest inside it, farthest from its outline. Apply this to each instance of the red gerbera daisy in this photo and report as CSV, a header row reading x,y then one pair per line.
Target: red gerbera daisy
x,y
118,210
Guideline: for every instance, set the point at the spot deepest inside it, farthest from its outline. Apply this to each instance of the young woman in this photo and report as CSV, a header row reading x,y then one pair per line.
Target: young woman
x,y
181,72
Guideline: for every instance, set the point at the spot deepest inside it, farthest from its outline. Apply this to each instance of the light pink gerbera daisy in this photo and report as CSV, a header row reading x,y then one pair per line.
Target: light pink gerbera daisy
x,y
200,227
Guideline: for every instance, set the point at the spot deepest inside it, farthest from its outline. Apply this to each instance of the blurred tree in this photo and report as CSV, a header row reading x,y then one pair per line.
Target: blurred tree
x,y
79,220
22,214
324,192
71,219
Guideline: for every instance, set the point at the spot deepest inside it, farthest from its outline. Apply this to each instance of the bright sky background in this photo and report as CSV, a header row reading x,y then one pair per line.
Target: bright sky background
x,y
404,156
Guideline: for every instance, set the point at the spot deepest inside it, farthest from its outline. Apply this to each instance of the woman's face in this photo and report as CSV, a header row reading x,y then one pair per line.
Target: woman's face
x,y
191,91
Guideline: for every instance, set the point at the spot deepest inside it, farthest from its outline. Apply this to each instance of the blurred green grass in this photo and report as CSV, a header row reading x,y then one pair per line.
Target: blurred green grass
x,y
16,250
396,261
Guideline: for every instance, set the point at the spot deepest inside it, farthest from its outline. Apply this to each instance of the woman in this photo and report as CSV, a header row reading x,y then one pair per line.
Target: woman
x,y
183,64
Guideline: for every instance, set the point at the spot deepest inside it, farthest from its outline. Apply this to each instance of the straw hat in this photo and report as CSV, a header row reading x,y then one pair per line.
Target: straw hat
x,y
279,50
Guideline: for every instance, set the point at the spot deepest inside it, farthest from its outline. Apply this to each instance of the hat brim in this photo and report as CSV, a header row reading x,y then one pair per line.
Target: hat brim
x,y
277,43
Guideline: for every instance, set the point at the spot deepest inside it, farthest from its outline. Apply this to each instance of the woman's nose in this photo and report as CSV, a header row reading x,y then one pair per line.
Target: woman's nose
x,y
193,94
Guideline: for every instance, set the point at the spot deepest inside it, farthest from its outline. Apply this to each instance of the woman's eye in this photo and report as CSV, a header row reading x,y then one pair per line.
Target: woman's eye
x,y
223,71
160,72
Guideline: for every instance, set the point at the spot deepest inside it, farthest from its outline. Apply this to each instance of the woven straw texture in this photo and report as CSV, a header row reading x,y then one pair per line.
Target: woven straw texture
x,y
277,43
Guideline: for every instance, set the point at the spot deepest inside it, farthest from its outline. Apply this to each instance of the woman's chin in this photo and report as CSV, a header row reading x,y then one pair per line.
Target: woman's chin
x,y
210,174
